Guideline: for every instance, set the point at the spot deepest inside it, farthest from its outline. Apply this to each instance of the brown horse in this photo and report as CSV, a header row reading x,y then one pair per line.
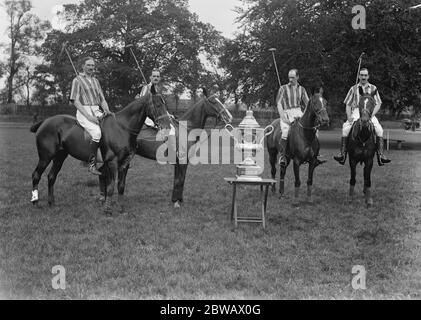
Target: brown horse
x,y
362,145
302,146
148,144
61,135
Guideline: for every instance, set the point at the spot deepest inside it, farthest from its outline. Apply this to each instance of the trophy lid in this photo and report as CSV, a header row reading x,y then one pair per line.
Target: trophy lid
x,y
249,121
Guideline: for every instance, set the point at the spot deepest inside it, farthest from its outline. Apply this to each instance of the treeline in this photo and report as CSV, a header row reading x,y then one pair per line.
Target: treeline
x,y
314,36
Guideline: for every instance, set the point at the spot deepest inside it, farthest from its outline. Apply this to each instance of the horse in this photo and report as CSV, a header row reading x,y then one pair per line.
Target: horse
x,y
302,146
148,144
362,145
61,135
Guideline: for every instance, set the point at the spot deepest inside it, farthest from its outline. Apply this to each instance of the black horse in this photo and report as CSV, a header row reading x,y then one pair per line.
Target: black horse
x,y
148,144
302,146
61,135
362,145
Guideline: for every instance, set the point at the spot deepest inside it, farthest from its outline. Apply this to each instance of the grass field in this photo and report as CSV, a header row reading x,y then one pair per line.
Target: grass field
x,y
154,252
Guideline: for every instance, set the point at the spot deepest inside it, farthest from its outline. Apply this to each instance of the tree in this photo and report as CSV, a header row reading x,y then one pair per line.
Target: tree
x,y
317,38
162,33
24,30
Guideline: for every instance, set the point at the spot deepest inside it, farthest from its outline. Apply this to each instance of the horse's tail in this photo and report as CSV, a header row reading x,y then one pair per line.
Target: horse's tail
x,y
35,127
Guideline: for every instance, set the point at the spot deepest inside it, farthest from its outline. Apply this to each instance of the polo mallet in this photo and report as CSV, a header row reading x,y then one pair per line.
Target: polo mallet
x,y
360,59
63,48
137,63
277,72
276,66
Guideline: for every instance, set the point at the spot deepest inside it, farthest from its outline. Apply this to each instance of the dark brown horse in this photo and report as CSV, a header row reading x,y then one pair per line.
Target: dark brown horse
x,y
148,144
302,146
60,136
362,145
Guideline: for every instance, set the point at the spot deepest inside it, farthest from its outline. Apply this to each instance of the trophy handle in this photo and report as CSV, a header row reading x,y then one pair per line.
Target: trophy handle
x,y
230,132
267,133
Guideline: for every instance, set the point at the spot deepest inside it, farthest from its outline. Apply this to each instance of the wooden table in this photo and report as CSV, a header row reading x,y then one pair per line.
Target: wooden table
x,y
263,198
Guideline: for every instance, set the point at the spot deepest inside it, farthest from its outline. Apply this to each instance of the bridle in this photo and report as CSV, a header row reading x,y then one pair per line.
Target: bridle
x,y
360,121
316,112
218,113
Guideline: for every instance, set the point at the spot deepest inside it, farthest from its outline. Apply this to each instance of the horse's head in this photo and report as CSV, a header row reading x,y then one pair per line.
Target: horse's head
x,y
318,105
215,108
366,105
157,110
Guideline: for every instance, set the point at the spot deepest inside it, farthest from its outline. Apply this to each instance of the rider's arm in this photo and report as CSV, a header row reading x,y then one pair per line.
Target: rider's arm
x,y
280,106
349,101
378,104
104,104
348,111
304,99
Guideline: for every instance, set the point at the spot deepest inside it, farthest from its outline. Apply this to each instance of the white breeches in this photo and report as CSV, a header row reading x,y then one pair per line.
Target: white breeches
x,y
291,114
346,128
92,128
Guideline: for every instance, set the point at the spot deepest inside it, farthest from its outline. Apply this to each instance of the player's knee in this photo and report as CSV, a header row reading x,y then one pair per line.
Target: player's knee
x,y
96,135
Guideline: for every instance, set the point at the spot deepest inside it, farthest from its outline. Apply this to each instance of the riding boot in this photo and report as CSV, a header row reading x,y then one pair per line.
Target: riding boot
x,y
283,158
92,158
341,157
381,158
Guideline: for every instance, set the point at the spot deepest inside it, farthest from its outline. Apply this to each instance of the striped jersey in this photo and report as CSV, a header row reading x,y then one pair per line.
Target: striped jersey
x,y
86,90
290,97
354,94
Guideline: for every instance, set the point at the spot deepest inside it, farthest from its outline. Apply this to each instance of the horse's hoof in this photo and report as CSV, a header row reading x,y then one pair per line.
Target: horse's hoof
x,y
100,199
369,203
310,200
177,205
51,203
35,204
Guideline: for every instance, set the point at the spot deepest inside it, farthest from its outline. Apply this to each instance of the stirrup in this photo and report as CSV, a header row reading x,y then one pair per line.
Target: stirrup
x,y
282,161
340,158
94,170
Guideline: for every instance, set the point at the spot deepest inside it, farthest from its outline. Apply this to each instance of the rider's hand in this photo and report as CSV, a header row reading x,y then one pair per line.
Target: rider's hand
x,y
93,119
350,118
285,119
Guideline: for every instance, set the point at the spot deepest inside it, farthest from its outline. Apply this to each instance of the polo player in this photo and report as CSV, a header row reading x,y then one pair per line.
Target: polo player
x,y
87,96
291,100
172,140
353,113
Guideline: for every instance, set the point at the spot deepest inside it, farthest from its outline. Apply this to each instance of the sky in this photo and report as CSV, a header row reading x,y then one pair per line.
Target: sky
x,y
219,13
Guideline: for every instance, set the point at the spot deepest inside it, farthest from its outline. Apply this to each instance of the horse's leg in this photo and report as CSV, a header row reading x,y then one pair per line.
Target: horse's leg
x,y
368,166
311,166
52,175
102,184
283,170
352,181
122,174
111,174
273,153
297,179
36,177
180,171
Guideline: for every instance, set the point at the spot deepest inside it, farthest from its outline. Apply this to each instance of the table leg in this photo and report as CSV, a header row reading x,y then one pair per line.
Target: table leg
x,y
265,206
235,205
233,201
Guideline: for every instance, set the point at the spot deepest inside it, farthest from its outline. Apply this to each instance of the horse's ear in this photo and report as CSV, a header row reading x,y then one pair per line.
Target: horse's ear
x,y
205,92
153,89
360,90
